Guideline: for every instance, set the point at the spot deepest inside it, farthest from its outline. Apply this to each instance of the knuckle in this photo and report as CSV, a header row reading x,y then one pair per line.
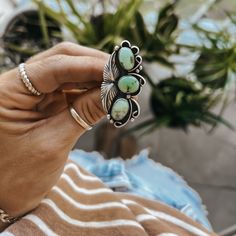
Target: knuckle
x,y
64,48
53,59
58,66
54,64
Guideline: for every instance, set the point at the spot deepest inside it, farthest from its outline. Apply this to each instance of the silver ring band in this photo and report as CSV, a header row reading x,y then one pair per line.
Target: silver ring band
x,y
78,119
26,81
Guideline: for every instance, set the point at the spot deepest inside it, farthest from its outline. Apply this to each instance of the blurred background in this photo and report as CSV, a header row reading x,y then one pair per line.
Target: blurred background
x,y
188,105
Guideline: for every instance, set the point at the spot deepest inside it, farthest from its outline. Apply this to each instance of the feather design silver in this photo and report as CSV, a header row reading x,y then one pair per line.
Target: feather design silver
x,y
108,88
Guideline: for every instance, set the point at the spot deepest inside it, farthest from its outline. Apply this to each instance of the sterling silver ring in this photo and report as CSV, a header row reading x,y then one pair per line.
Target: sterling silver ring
x,y
79,119
26,81
121,83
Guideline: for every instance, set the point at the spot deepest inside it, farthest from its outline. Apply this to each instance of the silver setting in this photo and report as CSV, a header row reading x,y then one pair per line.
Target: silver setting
x,y
110,92
108,89
26,81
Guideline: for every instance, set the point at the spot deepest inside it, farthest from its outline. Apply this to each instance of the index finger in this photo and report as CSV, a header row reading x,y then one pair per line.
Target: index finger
x,y
49,74
70,49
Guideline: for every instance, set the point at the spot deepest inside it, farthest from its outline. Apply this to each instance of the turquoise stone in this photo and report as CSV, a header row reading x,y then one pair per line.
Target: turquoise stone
x,y
126,58
120,109
128,84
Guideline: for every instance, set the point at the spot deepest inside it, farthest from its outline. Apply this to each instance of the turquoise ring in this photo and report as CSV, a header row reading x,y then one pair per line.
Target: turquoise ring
x,y
121,83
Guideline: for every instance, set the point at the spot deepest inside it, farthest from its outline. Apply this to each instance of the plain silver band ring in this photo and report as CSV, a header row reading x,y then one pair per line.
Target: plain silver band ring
x,y
79,120
26,81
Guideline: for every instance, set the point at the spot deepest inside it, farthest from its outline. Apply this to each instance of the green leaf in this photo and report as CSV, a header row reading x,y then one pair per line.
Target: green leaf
x,y
167,21
23,50
217,119
43,26
86,24
122,18
212,67
141,27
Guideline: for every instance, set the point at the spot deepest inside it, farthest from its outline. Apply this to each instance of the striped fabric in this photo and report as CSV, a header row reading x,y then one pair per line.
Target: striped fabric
x,y
80,204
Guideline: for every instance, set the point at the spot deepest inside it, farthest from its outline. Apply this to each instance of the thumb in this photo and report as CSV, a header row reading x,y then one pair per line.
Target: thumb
x,y
89,106
63,128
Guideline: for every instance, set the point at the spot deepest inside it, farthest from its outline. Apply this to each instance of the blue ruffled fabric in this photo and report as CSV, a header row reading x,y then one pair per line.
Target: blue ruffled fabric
x,y
144,177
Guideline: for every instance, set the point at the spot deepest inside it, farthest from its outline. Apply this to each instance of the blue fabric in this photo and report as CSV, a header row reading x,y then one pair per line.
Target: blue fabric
x,y
144,177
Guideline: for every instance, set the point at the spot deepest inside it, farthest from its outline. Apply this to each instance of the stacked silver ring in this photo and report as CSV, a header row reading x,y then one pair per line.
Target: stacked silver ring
x,y
26,81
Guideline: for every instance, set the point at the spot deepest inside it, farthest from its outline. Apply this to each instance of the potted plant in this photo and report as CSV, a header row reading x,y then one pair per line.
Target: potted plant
x,y
177,101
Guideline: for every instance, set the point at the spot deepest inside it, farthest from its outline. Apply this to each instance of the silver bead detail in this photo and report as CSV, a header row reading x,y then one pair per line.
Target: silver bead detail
x,y
26,81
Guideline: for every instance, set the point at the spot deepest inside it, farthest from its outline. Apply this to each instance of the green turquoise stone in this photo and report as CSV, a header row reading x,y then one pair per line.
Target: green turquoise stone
x,y
128,84
120,109
126,58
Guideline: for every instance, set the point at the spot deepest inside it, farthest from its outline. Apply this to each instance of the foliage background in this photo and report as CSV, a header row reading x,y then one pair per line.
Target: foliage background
x,y
178,100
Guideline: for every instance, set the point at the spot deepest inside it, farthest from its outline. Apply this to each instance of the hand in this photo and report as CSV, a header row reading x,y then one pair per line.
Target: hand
x,y
37,132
